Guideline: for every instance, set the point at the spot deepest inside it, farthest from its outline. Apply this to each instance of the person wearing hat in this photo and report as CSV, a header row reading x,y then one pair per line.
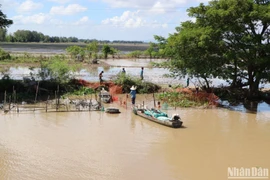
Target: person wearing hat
x,y
133,94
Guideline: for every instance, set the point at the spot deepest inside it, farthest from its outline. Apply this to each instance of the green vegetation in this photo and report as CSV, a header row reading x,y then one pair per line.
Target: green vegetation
x,y
4,55
4,22
57,69
229,40
126,81
178,99
76,51
92,50
81,91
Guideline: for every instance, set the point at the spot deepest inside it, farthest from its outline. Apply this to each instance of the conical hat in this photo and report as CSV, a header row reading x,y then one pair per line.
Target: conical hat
x,y
133,88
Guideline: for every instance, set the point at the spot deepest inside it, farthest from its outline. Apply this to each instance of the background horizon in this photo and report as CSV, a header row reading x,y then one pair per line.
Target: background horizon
x,y
102,20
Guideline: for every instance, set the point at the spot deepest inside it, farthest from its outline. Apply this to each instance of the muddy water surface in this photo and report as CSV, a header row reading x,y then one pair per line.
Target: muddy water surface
x,y
96,145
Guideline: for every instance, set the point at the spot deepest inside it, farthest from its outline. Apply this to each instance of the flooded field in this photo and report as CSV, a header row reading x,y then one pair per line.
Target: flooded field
x,y
132,67
60,48
97,145
155,75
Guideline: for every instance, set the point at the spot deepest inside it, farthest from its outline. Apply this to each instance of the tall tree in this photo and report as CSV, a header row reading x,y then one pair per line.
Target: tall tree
x,y
4,22
229,39
106,49
92,49
3,33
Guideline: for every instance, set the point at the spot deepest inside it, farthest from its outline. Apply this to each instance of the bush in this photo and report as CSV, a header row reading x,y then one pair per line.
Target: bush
x,y
56,69
126,81
4,55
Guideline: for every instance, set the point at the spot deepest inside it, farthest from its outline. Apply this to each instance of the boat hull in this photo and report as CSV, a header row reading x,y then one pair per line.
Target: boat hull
x,y
169,123
112,110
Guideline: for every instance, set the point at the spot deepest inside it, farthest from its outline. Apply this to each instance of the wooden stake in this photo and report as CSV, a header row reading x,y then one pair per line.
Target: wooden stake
x,y
5,98
36,92
154,100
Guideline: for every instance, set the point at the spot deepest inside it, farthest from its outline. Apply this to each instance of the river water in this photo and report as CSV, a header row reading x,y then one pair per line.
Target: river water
x,y
95,145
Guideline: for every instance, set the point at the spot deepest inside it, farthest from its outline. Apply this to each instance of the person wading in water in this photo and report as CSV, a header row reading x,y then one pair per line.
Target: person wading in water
x,y
133,95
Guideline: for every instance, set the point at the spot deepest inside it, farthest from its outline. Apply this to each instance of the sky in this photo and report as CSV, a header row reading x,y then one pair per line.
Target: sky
x,y
130,20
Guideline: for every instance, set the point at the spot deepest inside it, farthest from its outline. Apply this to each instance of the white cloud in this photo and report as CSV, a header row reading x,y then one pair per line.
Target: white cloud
x,y
29,6
83,21
60,1
128,19
34,19
143,3
8,4
203,1
132,20
69,10
164,7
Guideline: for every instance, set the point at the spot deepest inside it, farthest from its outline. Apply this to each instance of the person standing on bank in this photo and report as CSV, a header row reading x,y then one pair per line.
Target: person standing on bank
x,y
133,94
141,74
100,76
123,71
187,82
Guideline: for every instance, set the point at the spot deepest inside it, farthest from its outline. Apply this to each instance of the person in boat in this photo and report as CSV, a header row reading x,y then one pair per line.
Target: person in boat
x,y
100,76
133,94
158,105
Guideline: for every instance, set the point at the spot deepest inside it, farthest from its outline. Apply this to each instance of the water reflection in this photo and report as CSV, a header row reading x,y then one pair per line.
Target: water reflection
x,y
247,106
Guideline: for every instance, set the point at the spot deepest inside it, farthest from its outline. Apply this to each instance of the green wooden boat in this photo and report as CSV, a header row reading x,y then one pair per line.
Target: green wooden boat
x,y
158,116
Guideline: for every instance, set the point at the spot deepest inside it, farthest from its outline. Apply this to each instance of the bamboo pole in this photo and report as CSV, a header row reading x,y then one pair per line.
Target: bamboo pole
x,y
47,103
154,100
5,98
55,100
9,104
14,95
90,103
126,100
36,92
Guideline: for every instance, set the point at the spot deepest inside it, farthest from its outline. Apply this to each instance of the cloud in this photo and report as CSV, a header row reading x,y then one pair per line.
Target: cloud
x,y
203,1
8,4
34,19
143,3
83,21
131,20
69,10
29,6
60,1
128,19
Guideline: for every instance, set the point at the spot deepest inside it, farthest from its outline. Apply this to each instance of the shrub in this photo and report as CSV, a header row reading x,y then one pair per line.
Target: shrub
x,y
126,81
4,55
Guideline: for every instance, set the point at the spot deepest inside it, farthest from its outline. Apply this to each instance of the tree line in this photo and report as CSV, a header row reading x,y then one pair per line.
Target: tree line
x,y
34,36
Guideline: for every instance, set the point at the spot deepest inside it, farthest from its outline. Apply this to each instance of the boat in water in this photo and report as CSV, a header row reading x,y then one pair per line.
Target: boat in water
x,y
112,110
105,96
158,116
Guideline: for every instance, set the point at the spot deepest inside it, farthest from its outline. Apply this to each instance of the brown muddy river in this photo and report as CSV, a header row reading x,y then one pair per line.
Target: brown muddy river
x,y
98,146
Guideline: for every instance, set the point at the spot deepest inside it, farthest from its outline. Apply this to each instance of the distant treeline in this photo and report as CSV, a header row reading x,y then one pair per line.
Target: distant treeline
x,y
34,36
